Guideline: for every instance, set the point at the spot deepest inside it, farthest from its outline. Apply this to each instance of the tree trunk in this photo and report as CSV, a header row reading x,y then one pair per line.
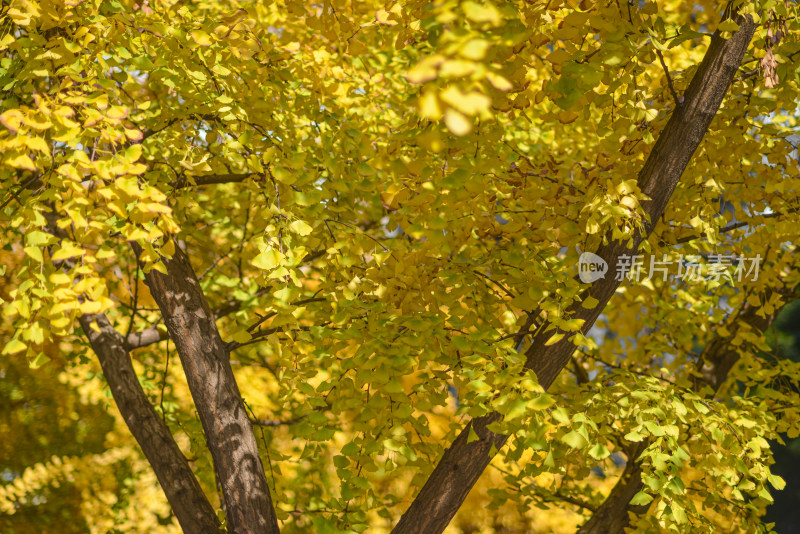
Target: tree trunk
x,y
463,463
188,502
453,478
186,498
613,516
206,362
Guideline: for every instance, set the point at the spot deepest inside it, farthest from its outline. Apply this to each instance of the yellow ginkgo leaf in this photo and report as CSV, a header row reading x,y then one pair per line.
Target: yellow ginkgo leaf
x,y
301,227
202,38
457,123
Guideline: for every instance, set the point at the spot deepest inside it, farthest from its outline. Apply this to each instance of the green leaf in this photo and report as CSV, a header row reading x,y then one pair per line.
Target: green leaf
x,y
39,361
541,402
393,445
777,482
575,440
269,259
590,303
634,436
555,338
599,452
641,498
133,153
242,336
37,238
728,25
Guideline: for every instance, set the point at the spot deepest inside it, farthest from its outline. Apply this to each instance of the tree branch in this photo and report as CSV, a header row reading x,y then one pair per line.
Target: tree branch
x,y
678,100
212,179
719,357
725,229
612,516
137,340
465,460
183,491
227,427
186,497
275,422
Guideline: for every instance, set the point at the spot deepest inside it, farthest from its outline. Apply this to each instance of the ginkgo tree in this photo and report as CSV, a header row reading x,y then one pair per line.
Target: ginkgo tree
x,y
326,255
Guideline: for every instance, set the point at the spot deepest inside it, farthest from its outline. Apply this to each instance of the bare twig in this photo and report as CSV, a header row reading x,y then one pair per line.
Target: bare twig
x,y
135,303
163,385
495,282
384,247
212,179
295,303
729,228
275,422
678,99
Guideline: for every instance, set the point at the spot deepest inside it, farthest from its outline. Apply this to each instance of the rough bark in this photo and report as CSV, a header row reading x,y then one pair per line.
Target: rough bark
x,y
206,362
188,502
463,463
657,179
136,340
184,494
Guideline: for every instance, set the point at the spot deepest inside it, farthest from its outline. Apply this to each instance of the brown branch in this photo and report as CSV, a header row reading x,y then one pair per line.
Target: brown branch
x,y
212,179
612,516
163,387
275,422
143,338
137,340
753,72
719,357
384,247
151,133
465,460
572,500
24,185
232,306
272,314
678,100
259,336
725,229
205,359
183,491
498,284
186,497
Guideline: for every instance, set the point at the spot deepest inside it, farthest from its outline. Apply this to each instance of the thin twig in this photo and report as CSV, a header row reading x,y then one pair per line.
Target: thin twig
x,y
163,385
135,303
219,259
15,194
276,422
261,334
731,227
498,284
384,247
678,100
295,303
213,179
150,133
264,440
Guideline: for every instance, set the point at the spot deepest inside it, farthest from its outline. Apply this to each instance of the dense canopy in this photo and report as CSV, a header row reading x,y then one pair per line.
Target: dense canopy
x,y
265,262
